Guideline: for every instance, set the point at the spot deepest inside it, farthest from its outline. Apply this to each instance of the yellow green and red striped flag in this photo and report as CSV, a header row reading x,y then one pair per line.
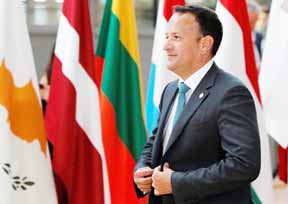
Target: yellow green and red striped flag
x,y
121,97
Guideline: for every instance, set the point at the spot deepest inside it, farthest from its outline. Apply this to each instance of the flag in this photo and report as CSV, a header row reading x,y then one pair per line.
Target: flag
x,y
160,76
236,56
25,170
73,112
273,80
123,127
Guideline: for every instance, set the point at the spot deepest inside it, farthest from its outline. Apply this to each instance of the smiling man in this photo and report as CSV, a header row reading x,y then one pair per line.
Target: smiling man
x,y
206,147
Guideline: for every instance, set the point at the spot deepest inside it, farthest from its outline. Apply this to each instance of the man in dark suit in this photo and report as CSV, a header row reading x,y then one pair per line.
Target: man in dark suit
x,y
206,147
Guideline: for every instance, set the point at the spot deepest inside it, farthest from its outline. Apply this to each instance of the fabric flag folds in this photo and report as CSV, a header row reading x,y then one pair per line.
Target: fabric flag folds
x,y
159,75
73,112
237,57
273,80
25,170
121,97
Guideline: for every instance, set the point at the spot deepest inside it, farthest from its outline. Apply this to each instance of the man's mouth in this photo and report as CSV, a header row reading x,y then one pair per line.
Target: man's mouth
x,y
170,56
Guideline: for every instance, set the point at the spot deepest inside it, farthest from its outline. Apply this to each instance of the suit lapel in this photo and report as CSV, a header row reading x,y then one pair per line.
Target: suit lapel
x,y
167,101
196,99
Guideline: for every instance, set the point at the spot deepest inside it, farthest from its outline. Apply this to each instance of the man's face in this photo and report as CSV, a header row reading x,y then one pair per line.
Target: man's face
x,y
182,43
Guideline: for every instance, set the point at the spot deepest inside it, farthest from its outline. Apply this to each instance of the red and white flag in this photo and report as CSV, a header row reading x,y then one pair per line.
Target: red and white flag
x,y
73,114
236,56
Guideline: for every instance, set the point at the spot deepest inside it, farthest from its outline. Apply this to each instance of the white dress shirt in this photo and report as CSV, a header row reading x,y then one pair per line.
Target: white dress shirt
x,y
192,81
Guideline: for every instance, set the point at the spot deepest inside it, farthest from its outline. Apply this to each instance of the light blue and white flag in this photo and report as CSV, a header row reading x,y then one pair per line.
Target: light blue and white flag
x,y
160,76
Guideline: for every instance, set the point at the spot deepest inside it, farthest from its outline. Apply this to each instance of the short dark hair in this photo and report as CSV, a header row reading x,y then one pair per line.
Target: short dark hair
x,y
208,21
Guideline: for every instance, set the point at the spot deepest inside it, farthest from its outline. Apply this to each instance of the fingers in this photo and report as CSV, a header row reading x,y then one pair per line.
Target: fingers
x,y
156,192
158,168
145,186
159,180
146,190
143,172
146,178
156,171
155,178
143,179
166,166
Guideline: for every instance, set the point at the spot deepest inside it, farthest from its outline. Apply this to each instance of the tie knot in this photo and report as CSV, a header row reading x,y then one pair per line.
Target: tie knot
x,y
183,88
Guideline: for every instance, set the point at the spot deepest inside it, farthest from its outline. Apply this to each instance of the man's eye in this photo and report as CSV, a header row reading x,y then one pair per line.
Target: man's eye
x,y
176,37
173,37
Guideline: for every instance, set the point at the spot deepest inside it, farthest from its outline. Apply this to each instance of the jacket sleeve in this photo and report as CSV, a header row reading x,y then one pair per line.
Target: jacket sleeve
x,y
238,130
145,160
146,155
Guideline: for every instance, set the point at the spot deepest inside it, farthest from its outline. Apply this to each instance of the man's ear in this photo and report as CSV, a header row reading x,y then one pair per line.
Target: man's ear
x,y
206,44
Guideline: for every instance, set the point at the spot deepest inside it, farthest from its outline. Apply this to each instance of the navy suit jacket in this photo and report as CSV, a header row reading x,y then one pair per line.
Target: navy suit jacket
x,y
214,147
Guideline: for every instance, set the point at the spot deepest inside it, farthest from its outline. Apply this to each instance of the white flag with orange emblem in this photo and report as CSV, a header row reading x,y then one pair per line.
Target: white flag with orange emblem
x,y
25,169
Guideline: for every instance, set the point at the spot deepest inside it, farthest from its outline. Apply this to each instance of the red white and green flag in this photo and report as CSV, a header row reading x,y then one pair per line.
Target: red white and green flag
x,y
73,117
25,170
121,98
236,55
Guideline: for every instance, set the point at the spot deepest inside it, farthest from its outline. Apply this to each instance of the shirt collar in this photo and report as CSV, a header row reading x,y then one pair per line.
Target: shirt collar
x,y
193,80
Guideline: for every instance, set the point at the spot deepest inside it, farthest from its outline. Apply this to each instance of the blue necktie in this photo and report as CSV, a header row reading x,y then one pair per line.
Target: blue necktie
x,y
183,88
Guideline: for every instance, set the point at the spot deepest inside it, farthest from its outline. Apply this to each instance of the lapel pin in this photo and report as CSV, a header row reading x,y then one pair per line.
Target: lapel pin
x,y
201,95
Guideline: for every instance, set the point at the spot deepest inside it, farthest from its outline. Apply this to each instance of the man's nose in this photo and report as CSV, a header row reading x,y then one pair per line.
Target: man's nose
x,y
167,45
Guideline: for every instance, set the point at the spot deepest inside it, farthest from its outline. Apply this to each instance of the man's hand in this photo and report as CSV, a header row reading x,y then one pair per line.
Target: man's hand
x,y
143,179
162,180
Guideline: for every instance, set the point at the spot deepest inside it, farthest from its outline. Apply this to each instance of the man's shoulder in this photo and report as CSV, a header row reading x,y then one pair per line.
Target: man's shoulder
x,y
227,83
222,80
227,80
